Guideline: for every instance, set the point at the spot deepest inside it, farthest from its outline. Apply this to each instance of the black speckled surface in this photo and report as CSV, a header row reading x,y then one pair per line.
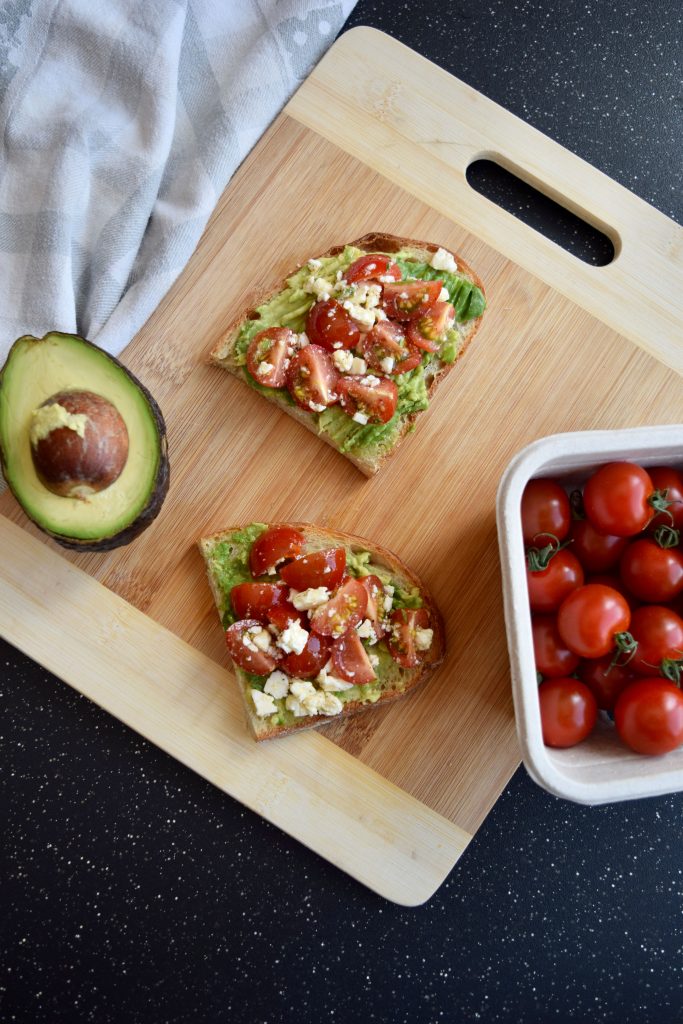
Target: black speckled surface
x,y
134,891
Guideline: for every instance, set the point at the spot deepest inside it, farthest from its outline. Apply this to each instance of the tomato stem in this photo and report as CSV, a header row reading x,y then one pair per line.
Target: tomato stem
x,y
538,559
671,669
659,501
666,536
625,647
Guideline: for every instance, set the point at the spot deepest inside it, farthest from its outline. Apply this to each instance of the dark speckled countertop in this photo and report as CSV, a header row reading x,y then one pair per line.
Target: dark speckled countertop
x,y
134,891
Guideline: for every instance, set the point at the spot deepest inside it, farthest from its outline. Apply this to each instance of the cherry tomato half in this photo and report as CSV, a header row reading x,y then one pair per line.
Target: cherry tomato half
x,y
427,332
313,657
616,498
343,611
372,267
409,300
268,356
374,397
255,600
548,587
553,657
244,652
545,510
375,608
386,340
329,325
350,660
272,547
404,624
318,569
649,716
569,711
659,632
651,572
312,379
590,619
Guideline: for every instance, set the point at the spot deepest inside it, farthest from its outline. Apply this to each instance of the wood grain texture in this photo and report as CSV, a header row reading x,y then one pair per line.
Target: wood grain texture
x,y
547,358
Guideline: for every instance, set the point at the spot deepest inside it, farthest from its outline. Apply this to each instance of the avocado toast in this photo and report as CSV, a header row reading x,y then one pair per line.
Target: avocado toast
x,y
354,343
319,624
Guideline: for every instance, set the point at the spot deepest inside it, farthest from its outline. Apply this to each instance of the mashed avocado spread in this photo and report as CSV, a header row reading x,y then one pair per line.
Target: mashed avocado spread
x,y
289,308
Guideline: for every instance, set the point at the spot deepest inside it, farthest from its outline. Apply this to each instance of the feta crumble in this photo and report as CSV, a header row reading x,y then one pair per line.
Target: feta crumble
x,y
263,702
423,639
443,260
277,684
293,639
360,417
305,600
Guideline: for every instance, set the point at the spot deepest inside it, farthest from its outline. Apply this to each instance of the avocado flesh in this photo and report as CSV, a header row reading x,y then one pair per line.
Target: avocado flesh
x,y
36,369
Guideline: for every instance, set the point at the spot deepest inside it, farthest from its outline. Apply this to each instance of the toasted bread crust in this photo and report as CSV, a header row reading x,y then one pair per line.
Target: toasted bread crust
x,y
384,558
221,354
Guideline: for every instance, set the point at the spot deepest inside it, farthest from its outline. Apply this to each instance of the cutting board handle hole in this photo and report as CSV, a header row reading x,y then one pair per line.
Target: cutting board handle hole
x,y
539,211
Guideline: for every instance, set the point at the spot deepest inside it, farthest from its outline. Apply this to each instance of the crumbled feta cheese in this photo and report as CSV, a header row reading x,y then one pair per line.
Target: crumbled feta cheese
x,y
443,260
315,264
370,381
314,702
264,368
294,705
262,639
374,660
388,597
380,315
316,407
423,638
293,639
366,631
444,296
386,278
329,682
302,688
263,702
337,344
358,366
362,316
331,705
387,364
303,340
304,600
277,684
343,360
360,417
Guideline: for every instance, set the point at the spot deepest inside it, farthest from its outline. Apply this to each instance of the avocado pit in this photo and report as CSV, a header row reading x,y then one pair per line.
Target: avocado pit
x,y
79,443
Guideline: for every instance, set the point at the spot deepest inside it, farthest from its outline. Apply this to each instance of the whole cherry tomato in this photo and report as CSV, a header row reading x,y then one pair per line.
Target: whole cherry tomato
x,y
545,510
596,551
649,716
549,586
553,657
568,711
619,498
670,482
659,634
652,572
592,619
605,679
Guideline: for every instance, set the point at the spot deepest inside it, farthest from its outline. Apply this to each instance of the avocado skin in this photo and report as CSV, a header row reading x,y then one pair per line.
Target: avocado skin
x,y
161,483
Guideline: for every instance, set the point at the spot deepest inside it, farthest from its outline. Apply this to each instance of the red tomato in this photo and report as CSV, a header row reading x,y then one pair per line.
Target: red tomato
x,y
617,499
596,551
329,325
413,359
312,379
371,267
670,482
608,579
386,339
272,547
426,332
246,654
255,600
548,587
268,356
375,608
545,510
591,619
404,623
659,632
651,572
649,716
319,569
280,615
313,657
374,397
343,611
409,300
350,660
568,711
605,680
553,657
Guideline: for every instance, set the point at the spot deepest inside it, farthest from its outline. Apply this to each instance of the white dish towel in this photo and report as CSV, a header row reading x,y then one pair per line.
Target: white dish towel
x,y
122,122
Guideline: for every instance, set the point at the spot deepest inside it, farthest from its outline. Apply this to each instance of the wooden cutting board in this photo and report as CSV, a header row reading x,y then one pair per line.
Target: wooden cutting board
x,y
376,139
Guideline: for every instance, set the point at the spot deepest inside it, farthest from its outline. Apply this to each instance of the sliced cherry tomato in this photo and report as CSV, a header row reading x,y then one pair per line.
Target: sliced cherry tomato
x,y
281,615
659,632
329,325
545,511
409,300
312,379
617,499
374,397
596,551
243,650
605,679
272,547
314,656
255,600
426,332
651,572
375,608
386,340
569,711
413,359
402,647
649,716
318,569
548,587
372,267
552,656
670,482
591,618
350,660
343,611
269,354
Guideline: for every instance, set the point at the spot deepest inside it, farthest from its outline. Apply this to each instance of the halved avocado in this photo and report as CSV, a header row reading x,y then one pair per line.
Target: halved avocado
x,y
38,369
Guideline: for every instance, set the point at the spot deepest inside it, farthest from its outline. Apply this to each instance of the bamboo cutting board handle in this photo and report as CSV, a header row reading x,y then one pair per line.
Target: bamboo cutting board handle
x,y
389,89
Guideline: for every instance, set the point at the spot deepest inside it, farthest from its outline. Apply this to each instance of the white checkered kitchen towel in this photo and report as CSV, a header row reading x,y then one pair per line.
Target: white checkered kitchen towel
x,y
122,121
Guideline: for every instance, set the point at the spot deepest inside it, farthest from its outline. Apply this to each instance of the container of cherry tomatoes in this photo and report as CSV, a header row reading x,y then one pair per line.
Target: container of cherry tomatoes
x,y
590,529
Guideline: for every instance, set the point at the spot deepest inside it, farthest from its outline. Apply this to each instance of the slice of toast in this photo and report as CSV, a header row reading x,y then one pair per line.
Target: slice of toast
x,y
366,448
229,548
